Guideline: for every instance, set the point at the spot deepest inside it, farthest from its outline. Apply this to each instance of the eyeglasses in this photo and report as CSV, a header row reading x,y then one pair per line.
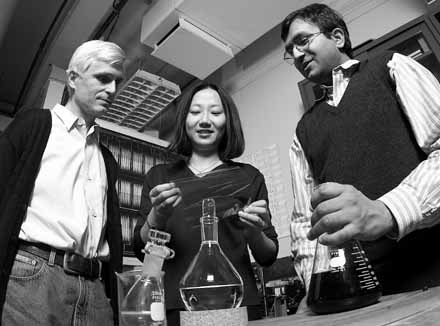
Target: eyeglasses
x,y
301,44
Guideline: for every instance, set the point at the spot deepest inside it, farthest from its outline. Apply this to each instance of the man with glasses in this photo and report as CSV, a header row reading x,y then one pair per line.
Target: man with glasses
x,y
365,159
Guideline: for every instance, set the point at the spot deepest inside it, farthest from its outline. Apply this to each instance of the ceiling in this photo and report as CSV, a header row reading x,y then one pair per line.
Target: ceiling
x,y
36,38
37,34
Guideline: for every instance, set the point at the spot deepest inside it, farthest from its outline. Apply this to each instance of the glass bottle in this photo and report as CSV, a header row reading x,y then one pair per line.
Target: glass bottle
x,y
211,281
342,279
144,302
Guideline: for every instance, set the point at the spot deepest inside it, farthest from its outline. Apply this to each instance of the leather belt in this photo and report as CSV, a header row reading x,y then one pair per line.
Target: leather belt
x,y
72,263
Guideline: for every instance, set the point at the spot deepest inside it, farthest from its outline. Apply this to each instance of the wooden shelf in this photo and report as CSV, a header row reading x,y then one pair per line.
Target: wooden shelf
x,y
135,153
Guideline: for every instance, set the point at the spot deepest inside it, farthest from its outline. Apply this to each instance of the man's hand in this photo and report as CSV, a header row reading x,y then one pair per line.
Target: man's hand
x,y
342,213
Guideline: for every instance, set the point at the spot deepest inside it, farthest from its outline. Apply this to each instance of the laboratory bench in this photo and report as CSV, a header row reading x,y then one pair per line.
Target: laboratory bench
x,y
411,308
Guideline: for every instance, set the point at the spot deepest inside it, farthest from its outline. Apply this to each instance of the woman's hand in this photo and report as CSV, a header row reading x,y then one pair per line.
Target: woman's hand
x,y
254,217
164,198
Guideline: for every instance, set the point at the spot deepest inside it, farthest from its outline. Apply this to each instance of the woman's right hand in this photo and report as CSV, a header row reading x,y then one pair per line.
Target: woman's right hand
x,y
164,198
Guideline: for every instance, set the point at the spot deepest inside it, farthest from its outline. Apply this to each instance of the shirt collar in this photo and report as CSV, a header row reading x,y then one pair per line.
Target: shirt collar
x,y
66,116
347,68
70,120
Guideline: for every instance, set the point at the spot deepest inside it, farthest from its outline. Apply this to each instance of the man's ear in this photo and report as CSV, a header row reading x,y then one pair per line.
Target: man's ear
x,y
71,78
339,37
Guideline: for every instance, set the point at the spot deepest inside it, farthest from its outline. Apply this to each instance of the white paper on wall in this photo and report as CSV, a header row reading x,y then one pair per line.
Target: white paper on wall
x,y
267,160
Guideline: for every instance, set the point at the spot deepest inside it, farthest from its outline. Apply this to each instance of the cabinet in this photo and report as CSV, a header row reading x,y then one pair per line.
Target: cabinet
x,y
135,157
434,16
419,39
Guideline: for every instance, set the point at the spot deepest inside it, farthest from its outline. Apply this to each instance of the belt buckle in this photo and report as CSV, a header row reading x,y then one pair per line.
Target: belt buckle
x,y
87,271
66,265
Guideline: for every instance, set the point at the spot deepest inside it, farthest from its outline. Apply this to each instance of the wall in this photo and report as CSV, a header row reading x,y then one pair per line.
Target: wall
x,y
52,92
54,89
265,88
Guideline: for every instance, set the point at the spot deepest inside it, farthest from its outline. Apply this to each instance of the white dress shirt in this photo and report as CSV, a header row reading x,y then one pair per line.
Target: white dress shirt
x,y
415,201
68,208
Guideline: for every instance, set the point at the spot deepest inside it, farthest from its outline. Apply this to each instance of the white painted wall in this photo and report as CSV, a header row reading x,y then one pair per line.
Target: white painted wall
x,y
54,89
265,88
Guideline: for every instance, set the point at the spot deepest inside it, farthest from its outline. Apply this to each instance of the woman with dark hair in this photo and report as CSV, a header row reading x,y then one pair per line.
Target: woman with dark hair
x,y
209,134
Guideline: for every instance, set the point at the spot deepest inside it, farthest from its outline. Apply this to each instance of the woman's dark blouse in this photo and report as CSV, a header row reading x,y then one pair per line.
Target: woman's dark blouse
x,y
184,227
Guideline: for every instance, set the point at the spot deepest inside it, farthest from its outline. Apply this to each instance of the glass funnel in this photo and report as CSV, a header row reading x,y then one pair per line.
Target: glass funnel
x,y
211,281
141,292
342,279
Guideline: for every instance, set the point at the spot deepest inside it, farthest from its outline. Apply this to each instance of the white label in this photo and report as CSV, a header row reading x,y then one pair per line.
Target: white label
x,y
157,311
337,258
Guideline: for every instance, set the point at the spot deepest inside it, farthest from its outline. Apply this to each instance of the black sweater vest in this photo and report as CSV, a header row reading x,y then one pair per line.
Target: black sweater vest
x,y
367,141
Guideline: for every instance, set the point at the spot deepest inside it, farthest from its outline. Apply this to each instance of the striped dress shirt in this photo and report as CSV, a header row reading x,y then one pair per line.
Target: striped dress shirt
x,y
415,201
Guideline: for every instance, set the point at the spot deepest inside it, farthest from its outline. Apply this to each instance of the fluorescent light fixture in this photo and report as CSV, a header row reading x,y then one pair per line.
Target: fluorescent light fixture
x,y
140,100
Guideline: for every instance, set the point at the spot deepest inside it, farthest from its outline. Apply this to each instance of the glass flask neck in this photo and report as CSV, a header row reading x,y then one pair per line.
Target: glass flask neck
x,y
209,228
209,221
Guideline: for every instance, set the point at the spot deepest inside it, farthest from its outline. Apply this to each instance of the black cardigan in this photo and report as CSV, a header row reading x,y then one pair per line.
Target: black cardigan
x,y
21,149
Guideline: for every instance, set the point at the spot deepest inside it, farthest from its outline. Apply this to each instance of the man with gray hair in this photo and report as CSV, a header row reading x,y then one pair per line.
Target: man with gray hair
x,y
59,213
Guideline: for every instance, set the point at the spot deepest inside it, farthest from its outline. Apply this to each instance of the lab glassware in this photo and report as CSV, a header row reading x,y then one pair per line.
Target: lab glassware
x,y
211,282
141,292
342,279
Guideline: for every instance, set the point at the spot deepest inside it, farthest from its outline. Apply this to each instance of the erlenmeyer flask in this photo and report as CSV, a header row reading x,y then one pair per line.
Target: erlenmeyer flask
x,y
342,279
144,302
211,281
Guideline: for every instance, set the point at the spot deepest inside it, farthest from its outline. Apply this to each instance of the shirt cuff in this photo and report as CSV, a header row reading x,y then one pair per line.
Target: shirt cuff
x,y
403,204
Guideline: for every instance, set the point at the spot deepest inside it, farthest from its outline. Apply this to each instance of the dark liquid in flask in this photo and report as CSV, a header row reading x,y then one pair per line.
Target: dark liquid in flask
x,y
335,291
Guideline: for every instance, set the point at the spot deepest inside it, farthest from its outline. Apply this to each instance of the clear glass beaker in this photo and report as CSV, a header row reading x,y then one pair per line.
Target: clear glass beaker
x,y
211,281
342,279
141,295
145,311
